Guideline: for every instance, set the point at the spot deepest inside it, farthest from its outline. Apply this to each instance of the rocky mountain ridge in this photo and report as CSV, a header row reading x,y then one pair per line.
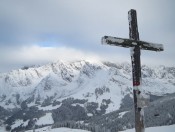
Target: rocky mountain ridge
x,y
71,88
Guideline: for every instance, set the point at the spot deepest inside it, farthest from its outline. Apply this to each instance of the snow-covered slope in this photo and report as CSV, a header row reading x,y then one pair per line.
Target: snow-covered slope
x,y
82,80
89,88
48,129
170,128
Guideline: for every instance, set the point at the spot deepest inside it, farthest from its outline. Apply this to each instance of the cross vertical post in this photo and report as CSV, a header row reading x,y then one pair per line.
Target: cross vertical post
x,y
135,46
136,70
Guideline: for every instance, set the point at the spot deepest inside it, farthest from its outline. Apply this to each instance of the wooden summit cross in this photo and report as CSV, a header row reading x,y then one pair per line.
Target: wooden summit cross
x,y
135,45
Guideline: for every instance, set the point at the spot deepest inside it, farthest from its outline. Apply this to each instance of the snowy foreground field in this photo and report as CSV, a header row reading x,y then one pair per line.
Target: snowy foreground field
x,y
48,129
170,128
151,129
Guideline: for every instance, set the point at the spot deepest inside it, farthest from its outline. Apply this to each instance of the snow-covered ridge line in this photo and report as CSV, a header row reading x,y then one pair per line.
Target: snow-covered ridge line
x,y
81,88
82,79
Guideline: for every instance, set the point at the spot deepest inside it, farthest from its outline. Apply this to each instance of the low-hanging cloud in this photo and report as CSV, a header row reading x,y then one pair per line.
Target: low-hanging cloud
x,y
79,25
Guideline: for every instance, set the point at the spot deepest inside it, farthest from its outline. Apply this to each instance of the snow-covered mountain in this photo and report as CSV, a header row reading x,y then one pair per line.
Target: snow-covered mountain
x,y
90,88
57,81
81,80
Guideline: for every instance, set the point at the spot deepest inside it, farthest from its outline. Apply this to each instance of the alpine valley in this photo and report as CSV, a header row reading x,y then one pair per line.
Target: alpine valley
x,y
95,96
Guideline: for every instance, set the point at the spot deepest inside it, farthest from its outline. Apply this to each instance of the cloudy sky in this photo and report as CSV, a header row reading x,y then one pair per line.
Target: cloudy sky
x,y
42,31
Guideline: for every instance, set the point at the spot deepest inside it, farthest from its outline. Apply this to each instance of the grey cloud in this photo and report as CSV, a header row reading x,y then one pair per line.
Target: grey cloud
x,y
80,24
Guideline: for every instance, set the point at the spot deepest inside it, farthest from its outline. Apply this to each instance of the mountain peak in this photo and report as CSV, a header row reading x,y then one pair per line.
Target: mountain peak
x,y
80,78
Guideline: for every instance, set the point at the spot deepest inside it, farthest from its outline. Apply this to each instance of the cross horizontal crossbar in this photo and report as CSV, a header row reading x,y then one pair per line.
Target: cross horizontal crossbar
x,y
127,43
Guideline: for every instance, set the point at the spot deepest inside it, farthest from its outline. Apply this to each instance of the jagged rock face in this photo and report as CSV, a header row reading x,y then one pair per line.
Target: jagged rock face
x,y
56,81
80,80
75,90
